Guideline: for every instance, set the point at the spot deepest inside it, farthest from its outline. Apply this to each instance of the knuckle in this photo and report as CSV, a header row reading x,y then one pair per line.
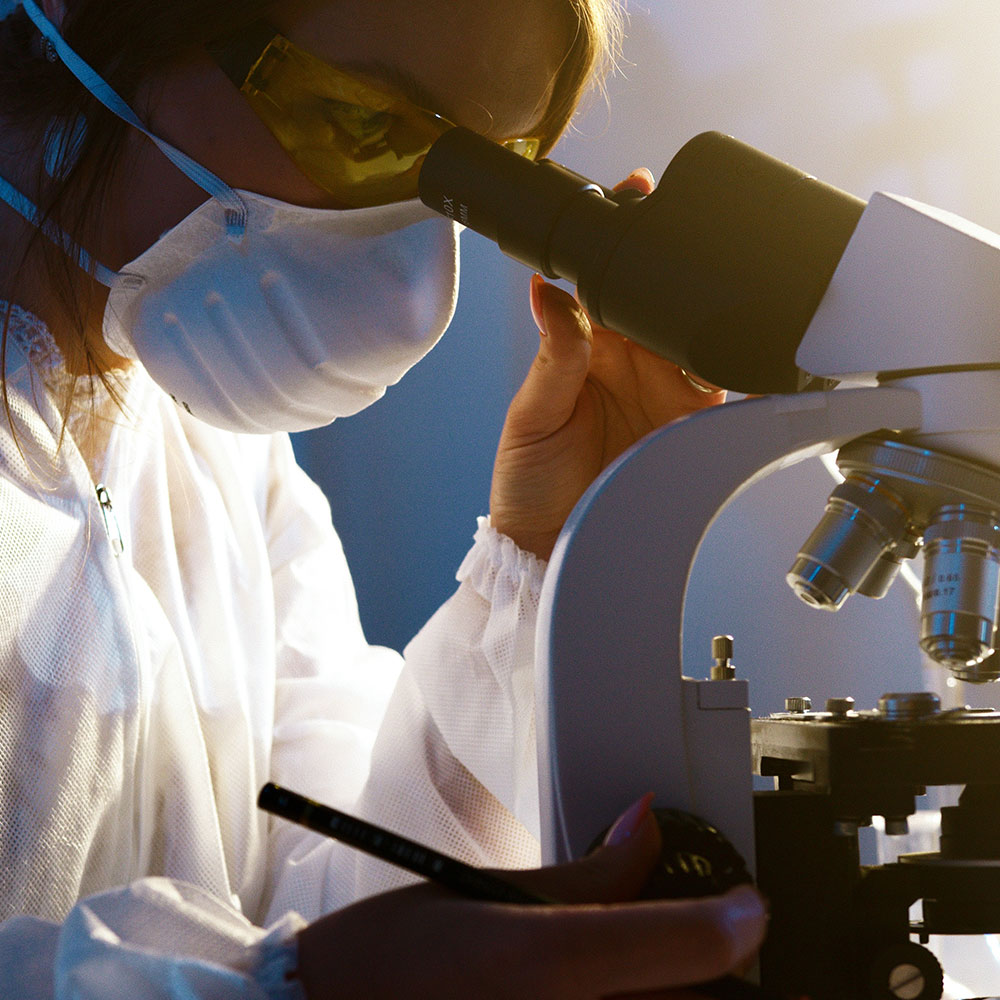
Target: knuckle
x,y
543,361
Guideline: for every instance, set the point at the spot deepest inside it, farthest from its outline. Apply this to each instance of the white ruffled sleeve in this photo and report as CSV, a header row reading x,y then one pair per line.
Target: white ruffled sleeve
x,y
156,938
474,666
455,763
450,761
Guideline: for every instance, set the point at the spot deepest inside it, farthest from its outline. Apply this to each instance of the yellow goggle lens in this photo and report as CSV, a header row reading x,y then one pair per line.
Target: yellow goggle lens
x,y
359,143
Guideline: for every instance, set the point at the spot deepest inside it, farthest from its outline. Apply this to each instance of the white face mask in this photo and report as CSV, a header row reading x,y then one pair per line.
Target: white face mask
x,y
307,318
260,316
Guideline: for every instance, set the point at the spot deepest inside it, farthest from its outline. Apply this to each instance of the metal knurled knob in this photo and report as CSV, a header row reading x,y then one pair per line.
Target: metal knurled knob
x,y
722,647
722,653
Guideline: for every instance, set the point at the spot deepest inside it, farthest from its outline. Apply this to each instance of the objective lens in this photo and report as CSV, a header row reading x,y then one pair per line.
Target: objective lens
x,y
863,521
961,585
986,671
876,584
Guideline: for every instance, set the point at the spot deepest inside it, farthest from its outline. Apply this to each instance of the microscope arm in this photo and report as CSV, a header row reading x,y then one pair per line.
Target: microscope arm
x,y
615,717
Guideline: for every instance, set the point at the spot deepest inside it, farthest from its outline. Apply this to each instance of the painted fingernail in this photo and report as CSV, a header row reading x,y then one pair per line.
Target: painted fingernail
x,y
629,821
535,298
695,383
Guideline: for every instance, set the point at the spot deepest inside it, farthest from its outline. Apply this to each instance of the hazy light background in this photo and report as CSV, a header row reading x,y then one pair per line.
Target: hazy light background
x,y
901,95
898,95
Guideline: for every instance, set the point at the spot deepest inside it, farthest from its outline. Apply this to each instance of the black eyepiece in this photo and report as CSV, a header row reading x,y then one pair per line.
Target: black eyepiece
x,y
720,269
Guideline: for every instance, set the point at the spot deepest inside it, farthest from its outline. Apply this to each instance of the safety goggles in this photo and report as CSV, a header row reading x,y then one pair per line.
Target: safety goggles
x,y
362,144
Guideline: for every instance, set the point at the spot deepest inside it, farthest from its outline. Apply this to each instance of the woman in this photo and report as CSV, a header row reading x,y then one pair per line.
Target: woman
x,y
179,268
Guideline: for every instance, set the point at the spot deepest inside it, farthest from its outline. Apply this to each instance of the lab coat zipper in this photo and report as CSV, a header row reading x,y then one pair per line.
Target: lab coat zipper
x,y
111,524
137,865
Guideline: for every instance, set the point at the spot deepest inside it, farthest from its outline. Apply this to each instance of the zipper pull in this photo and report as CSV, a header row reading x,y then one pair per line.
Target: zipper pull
x,y
111,525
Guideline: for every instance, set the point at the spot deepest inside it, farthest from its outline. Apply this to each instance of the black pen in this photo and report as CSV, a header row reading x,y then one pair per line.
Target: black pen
x,y
456,875
417,858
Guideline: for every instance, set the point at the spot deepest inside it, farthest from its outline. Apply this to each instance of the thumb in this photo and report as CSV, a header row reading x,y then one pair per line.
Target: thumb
x,y
548,396
613,872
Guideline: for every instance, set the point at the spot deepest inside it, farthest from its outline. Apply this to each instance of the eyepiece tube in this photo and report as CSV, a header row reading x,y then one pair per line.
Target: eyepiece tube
x,y
720,269
535,212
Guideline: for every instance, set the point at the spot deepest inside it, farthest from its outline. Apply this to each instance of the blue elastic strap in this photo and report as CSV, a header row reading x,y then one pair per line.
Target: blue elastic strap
x,y
29,210
63,143
235,209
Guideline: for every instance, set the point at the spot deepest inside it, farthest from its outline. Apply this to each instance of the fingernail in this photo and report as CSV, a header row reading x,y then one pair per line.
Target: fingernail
x,y
629,821
534,297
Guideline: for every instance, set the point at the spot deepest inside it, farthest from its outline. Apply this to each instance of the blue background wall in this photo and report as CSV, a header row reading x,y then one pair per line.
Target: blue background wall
x,y
407,477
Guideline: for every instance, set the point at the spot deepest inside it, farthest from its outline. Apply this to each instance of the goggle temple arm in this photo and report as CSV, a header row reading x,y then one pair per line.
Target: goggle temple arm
x,y
238,53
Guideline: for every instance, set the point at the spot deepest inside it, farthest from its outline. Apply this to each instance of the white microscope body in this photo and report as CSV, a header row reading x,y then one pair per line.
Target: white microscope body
x,y
756,276
910,326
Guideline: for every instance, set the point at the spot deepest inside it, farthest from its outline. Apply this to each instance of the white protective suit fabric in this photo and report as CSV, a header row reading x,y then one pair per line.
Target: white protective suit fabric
x,y
146,697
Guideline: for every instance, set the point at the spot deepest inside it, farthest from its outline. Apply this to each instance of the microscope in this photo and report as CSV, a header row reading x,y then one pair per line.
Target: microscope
x,y
871,330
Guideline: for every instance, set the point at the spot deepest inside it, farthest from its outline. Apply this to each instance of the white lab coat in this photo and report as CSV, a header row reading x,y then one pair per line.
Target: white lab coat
x,y
146,696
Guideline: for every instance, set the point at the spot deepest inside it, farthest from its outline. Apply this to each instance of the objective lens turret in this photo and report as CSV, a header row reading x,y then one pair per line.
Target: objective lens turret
x,y
895,498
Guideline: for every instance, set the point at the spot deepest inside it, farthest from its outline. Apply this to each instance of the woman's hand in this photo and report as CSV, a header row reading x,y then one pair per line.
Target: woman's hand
x,y
424,942
588,396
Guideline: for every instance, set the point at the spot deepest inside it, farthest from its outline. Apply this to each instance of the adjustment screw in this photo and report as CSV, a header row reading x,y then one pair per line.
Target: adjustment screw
x,y
907,982
840,706
798,705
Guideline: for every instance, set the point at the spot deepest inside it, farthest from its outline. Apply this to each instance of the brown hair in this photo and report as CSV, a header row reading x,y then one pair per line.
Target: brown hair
x,y
593,54
34,92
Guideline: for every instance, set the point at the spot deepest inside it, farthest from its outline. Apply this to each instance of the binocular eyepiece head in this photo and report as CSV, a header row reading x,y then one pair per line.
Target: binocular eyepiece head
x,y
720,269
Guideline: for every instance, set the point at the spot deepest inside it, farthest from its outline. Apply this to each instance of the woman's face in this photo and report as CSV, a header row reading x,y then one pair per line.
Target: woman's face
x,y
488,65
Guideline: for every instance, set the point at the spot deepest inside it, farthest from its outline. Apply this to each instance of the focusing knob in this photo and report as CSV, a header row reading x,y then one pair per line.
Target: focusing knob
x,y
695,860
